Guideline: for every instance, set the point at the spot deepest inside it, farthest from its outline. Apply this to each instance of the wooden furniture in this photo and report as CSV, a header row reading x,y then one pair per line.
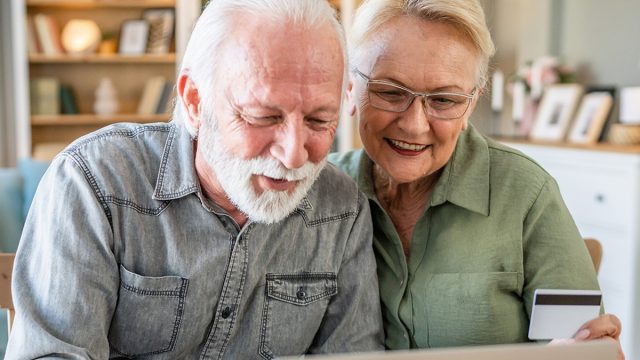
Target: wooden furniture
x,y
595,251
6,266
84,72
601,187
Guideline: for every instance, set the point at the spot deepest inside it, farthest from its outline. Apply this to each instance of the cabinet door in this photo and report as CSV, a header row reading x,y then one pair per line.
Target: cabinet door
x,y
617,280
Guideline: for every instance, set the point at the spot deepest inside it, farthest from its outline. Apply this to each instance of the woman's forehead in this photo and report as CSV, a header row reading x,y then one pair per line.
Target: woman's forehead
x,y
416,52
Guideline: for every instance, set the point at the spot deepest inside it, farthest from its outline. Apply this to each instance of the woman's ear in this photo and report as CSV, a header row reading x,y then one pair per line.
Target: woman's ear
x,y
188,94
350,104
472,108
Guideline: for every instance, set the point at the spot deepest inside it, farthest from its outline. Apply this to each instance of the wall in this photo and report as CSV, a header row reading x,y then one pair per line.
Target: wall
x,y
603,39
599,38
521,30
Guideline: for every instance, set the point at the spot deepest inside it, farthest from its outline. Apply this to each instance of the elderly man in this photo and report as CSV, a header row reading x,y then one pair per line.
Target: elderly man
x,y
221,234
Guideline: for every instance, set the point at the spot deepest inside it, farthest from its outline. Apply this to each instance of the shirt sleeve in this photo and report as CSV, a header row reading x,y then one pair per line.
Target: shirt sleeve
x,y
65,279
555,256
353,321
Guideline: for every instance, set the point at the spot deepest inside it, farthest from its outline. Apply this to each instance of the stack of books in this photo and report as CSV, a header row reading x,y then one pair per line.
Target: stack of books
x,y
49,97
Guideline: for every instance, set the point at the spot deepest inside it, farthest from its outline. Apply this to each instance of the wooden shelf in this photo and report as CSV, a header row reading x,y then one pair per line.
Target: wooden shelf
x,y
104,59
632,149
93,119
102,3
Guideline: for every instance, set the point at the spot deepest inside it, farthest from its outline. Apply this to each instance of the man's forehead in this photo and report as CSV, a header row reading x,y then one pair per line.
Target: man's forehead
x,y
263,39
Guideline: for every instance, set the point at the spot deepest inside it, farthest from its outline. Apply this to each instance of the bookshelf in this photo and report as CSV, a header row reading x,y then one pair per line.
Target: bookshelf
x,y
90,119
83,73
104,59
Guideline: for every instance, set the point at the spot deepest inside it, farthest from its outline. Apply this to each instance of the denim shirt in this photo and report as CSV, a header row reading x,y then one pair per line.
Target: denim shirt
x,y
123,256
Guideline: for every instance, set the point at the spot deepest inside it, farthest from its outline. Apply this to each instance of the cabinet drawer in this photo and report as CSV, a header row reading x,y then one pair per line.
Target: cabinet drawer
x,y
597,198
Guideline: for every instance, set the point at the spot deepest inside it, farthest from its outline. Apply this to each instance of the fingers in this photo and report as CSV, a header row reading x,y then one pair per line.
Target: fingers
x,y
606,325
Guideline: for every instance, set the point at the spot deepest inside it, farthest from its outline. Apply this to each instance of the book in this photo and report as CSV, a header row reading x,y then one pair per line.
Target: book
x,y
33,46
48,34
165,98
151,95
67,100
44,96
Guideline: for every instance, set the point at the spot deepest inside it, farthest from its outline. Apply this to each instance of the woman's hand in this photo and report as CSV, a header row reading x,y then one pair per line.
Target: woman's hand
x,y
605,326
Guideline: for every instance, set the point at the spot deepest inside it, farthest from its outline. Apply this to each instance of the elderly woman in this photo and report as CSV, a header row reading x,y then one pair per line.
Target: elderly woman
x,y
466,229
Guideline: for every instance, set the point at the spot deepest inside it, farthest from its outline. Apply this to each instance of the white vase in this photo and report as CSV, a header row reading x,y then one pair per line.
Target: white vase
x,y
106,98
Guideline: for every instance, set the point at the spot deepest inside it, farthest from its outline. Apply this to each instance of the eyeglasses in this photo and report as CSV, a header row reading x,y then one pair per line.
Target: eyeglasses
x,y
387,96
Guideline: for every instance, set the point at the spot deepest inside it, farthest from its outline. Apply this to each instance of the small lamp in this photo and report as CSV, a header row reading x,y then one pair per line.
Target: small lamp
x,y
81,36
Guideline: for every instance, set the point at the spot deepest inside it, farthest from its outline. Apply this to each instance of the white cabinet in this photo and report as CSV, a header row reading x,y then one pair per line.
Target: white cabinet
x,y
602,191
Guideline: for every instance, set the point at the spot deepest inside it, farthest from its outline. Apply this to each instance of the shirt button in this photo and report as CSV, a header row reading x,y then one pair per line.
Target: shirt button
x,y
301,294
226,312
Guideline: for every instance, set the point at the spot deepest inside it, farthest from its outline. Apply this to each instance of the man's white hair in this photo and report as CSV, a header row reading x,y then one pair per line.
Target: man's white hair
x,y
214,26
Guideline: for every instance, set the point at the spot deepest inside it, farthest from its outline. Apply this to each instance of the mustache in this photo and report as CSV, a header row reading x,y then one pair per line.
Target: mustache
x,y
271,167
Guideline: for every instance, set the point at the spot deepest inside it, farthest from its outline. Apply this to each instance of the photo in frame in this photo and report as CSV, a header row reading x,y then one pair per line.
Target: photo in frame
x,y
161,23
133,37
556,112
591,117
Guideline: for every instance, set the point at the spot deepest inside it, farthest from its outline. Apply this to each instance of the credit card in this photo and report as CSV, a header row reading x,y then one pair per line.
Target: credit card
x,y
559,314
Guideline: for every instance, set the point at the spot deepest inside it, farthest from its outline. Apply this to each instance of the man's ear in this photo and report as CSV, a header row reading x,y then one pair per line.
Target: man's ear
x,y
350,104
188,94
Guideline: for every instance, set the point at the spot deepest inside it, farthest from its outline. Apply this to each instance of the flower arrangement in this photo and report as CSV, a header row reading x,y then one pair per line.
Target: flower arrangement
x,y
527,85
543,71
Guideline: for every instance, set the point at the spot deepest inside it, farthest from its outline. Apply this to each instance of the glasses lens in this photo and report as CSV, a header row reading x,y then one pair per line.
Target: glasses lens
x,y
447,106
388,97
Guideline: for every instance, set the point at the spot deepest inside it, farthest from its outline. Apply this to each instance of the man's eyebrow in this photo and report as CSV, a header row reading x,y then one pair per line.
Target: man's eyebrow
x,y
326,108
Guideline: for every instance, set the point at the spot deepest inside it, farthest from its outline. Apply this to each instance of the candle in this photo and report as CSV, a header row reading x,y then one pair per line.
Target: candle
x,y
518,100
536,79
497,89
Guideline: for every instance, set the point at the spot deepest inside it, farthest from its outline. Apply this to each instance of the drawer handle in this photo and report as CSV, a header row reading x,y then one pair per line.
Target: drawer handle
x,y
600,198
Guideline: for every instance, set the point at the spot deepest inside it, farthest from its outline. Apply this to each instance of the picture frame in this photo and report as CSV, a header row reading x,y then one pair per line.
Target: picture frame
x,y
555,113
591,117
611,90
133,37
161,29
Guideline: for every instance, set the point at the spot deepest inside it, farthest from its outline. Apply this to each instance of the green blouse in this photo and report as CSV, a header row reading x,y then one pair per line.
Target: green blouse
x,y
495,230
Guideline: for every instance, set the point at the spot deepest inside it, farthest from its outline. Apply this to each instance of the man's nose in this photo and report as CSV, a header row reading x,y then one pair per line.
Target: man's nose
x,y
290,144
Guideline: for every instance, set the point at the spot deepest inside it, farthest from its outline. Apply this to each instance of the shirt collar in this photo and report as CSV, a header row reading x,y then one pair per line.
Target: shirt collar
x,y
177,175
464,180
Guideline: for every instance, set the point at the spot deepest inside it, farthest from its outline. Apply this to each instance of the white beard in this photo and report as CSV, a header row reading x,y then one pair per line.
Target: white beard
x,y
235,174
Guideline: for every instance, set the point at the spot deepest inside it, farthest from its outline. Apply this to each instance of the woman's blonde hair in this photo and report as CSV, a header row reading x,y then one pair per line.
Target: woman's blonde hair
x,y
466,15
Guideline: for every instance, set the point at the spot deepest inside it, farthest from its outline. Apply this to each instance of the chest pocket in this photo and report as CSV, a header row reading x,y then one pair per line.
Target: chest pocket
x,y
148,314
294,307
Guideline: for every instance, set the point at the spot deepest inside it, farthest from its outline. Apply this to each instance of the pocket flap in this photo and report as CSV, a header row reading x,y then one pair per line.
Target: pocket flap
x,y
174,286
302,288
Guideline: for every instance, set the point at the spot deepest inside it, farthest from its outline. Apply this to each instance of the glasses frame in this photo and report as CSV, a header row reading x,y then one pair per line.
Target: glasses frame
x,y
415,94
